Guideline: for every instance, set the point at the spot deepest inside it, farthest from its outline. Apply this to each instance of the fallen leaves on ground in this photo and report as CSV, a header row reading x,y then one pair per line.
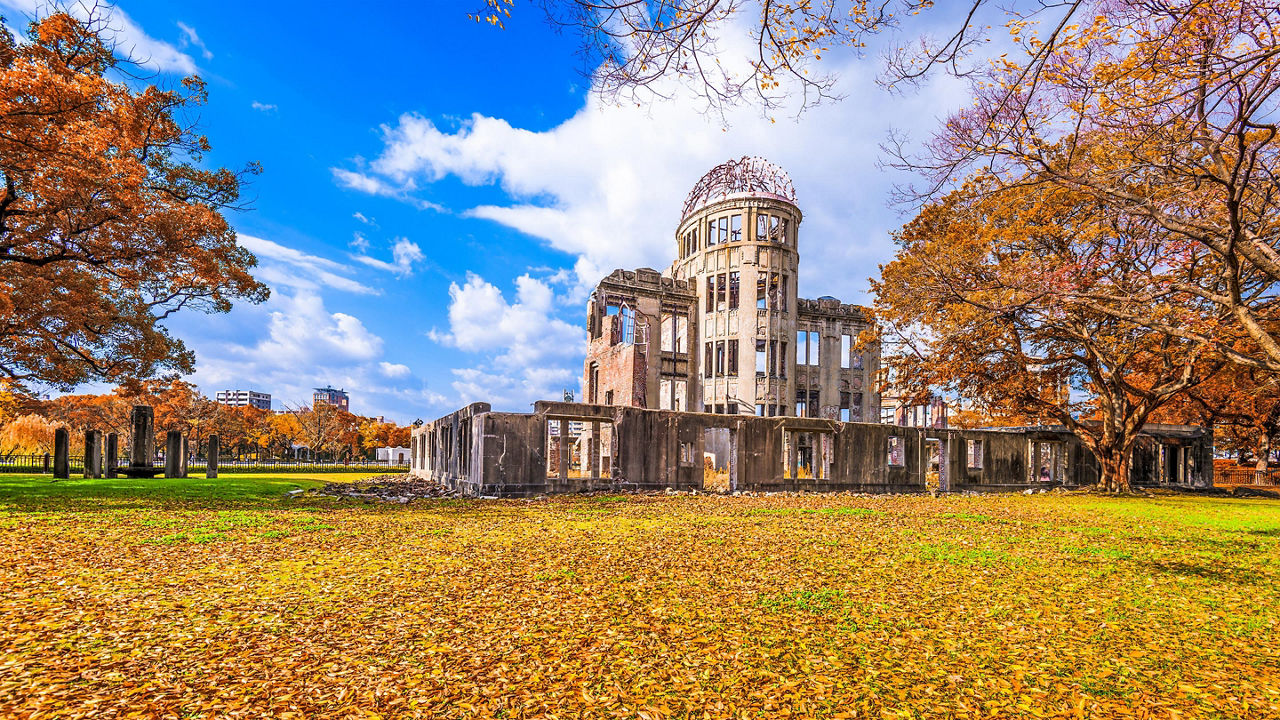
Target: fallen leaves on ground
x,y
644,607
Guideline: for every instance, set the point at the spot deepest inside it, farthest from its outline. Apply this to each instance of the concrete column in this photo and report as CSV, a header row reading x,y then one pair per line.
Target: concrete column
x,y
564,450
211,457
93,453
112,458
173,454
591,464
61,453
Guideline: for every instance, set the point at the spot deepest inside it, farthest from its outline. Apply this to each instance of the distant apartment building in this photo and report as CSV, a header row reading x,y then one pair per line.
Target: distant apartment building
x,y
244,398
331,396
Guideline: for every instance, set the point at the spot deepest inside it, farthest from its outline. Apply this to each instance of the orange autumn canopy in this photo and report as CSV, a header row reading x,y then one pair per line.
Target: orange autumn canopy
x,y
109,222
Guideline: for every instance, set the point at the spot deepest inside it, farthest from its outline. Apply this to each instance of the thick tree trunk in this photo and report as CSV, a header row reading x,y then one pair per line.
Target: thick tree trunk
x,y
1114,472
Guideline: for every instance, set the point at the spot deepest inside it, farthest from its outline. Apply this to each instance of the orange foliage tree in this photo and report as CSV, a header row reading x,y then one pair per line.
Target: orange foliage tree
x,y
979,302
108,221
1164,114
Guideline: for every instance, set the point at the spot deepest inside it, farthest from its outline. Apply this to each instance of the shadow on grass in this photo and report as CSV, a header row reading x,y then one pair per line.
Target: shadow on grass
x,y
1215,572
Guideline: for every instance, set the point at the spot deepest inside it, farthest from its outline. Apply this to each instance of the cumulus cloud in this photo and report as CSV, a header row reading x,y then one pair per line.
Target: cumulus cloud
x,y
304,331
191,38
263,107
528,346
303,344
130,39
393,370
606,186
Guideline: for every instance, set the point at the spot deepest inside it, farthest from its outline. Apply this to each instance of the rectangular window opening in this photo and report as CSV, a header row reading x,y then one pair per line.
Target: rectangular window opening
x,y
896,452
975,454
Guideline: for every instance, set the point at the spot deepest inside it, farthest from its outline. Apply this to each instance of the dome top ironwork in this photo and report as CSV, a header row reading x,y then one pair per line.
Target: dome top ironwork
x,y
747,174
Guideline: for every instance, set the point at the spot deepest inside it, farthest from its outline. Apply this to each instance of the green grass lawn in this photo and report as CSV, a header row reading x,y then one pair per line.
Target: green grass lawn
x,y
211,598
235,488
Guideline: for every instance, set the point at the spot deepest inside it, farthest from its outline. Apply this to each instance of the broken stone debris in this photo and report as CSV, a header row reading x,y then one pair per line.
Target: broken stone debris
x,y
383,488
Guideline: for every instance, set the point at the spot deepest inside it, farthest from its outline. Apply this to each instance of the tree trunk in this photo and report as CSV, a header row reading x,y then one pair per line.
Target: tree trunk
x,y
1114,472
1264,456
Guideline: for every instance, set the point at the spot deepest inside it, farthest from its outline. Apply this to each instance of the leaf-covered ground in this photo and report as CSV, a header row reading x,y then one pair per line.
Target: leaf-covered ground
x,y
128,603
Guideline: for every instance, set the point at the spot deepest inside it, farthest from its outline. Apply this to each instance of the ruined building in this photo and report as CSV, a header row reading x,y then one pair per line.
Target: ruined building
x,y
723,330
715,375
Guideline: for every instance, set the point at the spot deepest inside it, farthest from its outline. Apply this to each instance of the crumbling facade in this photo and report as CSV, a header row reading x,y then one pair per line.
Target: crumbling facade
x,y
714,375
723,329
574,447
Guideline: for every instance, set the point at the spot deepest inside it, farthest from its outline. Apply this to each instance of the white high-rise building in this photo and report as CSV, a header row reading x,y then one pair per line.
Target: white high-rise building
x,y
242,398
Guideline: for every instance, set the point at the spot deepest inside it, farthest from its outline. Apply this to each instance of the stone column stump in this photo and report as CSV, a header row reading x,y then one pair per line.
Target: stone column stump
x,y
173,454
112,455
211,457
93,453
61,453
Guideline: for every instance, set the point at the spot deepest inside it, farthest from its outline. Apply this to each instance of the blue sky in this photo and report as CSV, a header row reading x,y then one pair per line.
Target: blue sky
x,y
439,196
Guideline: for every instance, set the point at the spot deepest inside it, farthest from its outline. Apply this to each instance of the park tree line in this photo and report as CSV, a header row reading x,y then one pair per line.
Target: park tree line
x,y
319,431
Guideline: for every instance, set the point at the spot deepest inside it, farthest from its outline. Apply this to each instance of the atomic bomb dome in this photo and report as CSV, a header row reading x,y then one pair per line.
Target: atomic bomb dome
x,y
723,330
746,175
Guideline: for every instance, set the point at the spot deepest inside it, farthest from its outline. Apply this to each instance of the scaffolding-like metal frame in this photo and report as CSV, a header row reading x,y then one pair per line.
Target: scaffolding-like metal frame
x,y
748,174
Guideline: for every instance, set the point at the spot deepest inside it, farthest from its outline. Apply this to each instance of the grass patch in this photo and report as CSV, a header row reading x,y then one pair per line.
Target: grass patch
x,y
682,606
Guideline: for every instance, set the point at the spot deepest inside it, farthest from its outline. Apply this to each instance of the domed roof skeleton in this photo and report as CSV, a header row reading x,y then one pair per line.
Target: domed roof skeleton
x,y
745,175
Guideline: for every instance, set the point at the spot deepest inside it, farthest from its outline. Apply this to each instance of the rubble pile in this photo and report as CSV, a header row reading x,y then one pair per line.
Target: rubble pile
x,y
386,488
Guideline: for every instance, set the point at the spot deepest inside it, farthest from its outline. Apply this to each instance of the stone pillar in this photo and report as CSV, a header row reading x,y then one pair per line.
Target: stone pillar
x,y
61,453
93,453
211,457
142,443
112,456
173,454
46,463
565,450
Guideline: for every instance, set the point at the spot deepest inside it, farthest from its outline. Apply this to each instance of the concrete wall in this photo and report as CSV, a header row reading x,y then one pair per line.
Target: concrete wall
x,y
576,447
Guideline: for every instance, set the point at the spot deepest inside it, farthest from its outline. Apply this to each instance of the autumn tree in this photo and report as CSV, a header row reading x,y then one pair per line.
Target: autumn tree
x,y
978,302
27,435
327,428
109,220
1241,404
1163,112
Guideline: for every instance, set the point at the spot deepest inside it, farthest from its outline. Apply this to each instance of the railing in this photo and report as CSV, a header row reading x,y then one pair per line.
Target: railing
x,y
44,464
1240,475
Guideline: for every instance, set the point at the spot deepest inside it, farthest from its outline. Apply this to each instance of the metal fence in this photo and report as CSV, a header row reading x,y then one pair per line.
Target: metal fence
x,y
1243,475
44,464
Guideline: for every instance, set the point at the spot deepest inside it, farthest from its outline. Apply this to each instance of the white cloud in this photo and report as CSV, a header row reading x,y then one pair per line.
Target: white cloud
x,y
404,254
364,219
394,370
130,39
607,185
303,331
192,38
359,242
279,265
263,107
293,343
527,345
369,184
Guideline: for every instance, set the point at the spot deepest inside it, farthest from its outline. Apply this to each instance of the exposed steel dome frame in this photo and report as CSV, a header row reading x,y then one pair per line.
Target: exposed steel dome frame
x,y
748,174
